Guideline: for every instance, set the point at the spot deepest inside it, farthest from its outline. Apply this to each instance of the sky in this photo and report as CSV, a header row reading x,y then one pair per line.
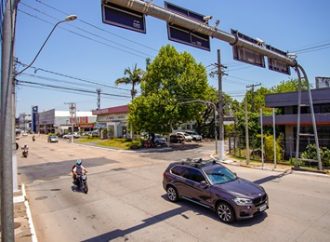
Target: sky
x,y
89,54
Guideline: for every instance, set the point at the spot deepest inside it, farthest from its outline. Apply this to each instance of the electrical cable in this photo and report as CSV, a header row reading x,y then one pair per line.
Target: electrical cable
x,y
83,36
96,27
71,89
72,77
88,32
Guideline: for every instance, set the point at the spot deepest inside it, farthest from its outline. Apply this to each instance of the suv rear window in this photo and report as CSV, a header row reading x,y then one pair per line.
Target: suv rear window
x,y
177,170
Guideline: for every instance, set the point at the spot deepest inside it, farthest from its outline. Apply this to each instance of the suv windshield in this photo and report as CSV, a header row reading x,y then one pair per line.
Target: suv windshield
x,y
220,175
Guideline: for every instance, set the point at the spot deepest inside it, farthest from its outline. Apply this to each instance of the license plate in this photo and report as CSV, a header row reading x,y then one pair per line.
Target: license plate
x,y
262,207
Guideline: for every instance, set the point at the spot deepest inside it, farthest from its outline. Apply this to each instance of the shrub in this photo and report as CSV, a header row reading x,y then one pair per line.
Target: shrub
x,y
310,153
269,148
136,144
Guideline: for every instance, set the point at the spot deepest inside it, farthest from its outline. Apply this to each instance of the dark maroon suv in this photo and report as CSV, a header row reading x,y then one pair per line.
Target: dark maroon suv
x,y
210,184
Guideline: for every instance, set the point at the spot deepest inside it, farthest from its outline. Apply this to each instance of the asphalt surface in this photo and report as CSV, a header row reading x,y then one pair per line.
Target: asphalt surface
x,y
126,201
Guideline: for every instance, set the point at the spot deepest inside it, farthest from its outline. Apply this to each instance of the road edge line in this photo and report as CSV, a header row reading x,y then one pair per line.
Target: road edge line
x,y
29,216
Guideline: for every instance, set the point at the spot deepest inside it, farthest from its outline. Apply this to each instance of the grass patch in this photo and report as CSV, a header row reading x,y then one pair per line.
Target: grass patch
x,y
113,143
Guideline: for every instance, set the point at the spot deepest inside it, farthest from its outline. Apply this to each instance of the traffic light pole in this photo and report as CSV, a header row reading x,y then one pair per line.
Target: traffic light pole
x,y
221,148
199,27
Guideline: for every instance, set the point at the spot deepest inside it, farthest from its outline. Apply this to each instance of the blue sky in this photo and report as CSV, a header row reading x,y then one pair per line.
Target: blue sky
x,y
97,52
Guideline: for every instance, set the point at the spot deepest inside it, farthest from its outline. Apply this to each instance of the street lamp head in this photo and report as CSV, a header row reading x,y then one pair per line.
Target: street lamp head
x,y
71,18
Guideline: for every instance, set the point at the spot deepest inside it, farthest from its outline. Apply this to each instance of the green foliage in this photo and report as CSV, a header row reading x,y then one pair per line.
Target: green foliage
x,y
132,76
136,144
171,79
310,153
269,148
289,86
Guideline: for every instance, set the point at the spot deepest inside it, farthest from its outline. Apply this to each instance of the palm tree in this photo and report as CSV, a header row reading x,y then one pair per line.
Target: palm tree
x,y
132,76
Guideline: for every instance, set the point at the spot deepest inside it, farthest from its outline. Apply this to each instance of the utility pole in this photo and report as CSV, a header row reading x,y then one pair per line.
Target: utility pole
x,y
247,140
6,122
221,133
262,139
98,91
73,116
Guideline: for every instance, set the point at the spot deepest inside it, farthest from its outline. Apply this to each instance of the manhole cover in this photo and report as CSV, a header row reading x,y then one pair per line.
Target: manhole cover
x,y
41,198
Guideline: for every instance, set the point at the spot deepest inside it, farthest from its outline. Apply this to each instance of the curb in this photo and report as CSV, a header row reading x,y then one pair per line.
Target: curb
x,y
29,215
308,173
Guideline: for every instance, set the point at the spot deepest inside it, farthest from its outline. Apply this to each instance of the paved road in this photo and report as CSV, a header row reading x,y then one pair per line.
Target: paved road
x,y
127,202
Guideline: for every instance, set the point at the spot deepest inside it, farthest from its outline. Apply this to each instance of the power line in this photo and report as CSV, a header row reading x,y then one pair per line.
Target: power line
x,y
98,28
83,36
72,77
88,32
70,89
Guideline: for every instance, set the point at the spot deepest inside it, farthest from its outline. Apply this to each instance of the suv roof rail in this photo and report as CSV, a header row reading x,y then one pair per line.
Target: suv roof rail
x,y
197,162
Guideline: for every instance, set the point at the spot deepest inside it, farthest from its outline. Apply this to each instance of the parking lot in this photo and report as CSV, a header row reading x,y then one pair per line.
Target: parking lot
x,y
126,200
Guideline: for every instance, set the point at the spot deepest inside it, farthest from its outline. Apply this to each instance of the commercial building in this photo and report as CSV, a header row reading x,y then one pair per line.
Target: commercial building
x,y
24,122
286,105
113,119
54,121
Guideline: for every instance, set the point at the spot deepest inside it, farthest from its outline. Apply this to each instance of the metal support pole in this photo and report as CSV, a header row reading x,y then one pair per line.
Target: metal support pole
x,y
298,113
262,139
247,132
221,131
313,119
274,140
6,137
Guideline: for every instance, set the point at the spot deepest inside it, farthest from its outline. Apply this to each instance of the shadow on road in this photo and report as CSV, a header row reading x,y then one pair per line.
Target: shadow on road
x,y
184,207
51,170
271,178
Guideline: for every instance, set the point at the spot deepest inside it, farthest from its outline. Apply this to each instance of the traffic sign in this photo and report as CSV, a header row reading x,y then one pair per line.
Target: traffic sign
x,y
244,54
185,36
277,65
123,17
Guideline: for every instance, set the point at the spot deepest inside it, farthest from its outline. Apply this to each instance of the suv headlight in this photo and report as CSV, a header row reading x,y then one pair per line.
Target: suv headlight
x,y
242,201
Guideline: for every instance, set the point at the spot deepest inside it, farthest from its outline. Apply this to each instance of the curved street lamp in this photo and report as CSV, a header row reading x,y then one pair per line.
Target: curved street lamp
x,y
67,19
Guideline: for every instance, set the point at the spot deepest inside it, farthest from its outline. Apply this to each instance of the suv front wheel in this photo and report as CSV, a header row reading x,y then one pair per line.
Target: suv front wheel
x,y
172,194
225,212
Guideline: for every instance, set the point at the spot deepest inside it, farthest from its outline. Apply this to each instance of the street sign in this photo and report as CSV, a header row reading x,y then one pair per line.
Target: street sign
x,y
277,65
123,17
185,36
246,55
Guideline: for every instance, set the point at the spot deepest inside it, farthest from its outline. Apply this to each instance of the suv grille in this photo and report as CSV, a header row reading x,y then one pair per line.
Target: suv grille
x,y
259,200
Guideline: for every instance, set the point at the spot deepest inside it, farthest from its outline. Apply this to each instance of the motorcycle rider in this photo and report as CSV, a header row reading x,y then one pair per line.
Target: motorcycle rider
x,y
25,149
78,169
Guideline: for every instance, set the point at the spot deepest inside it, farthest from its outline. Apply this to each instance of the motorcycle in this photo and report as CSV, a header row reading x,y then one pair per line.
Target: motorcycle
x,y
25,153
81,183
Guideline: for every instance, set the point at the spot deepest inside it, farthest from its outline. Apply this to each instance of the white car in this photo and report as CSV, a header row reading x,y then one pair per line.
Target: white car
x,y
186,136
194,135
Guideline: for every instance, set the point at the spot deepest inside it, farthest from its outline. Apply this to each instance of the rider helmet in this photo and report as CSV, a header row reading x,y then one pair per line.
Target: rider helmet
x,y
78,162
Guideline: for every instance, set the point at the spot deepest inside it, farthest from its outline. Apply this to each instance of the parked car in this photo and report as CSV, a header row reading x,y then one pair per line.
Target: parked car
x,y
212,185
52,139
195,136
176,138
69,136
186,136
159,140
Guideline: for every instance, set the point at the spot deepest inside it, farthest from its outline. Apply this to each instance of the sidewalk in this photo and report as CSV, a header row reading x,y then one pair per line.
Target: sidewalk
x,y
267,166
21,220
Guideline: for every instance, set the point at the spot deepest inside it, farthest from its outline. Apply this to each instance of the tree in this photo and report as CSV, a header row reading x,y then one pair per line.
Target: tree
x,y
289,86
171,79
132,76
